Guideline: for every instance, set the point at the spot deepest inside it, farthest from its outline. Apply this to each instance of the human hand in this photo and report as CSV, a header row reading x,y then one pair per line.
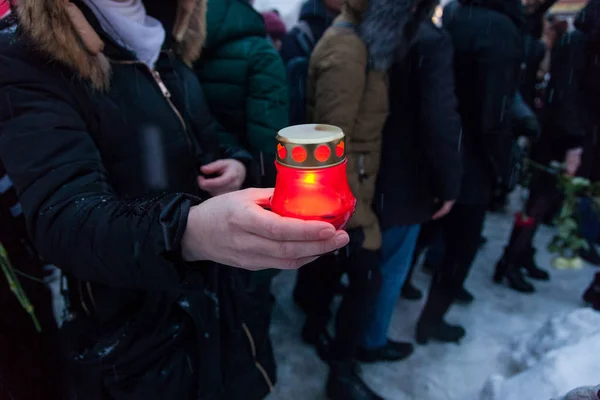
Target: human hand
x,y
444,210
234,230
230,177
573,161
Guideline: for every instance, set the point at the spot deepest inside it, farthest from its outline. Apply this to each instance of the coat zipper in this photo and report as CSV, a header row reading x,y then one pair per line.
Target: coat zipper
x,y
166,95
257,364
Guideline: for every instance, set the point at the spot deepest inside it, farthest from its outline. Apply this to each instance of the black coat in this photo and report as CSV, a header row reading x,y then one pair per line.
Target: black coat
x,y
487,59
420,154
534,52
106,180
317,17
571,118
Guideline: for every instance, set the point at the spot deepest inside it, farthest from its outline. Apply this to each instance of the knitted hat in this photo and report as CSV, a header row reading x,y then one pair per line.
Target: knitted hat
x,y
274,24
4,8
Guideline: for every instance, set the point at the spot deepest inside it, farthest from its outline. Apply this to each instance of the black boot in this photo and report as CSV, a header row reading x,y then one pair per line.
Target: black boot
x,y
514,276
410,292
344,383
440,331
592,294
591,255
431,324
527,261
464,296
392,351
315,333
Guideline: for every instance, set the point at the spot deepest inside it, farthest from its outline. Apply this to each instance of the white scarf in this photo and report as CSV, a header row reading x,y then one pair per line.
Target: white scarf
x,y
127,23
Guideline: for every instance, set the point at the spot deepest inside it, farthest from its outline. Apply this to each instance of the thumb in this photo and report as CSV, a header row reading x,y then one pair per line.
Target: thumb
x,y
214,167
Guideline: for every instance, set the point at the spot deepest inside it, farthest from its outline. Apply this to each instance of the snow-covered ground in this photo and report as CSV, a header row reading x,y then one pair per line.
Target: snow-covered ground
x,y
496,319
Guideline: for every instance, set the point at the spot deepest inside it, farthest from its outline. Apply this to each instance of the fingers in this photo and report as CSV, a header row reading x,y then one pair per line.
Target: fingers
x,y
214,167
271,226
215,183
284,254
262,262
442,212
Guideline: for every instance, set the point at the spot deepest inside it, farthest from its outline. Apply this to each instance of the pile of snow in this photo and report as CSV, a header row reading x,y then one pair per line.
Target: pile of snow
x,y
563,354
557,333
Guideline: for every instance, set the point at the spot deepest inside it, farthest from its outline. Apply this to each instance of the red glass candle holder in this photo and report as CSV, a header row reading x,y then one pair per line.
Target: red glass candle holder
x,y
311,175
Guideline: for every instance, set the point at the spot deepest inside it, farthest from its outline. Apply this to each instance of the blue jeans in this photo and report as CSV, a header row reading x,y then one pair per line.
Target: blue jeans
x,y
396,257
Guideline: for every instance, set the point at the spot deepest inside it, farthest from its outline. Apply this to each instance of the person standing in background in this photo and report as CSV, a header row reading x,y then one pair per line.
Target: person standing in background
x,y
315,17
348,88
275,26
420,171
487,58
244,81
570,134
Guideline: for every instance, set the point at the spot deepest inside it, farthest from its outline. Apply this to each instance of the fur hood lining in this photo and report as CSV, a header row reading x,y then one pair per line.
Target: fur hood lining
x,y
59,29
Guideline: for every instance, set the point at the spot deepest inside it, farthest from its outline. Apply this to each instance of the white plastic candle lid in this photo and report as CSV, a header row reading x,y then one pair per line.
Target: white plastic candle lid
x,y
310,134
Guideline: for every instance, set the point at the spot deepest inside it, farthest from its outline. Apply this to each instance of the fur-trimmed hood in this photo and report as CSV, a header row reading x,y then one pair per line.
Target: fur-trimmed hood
x,y
59,29
387,26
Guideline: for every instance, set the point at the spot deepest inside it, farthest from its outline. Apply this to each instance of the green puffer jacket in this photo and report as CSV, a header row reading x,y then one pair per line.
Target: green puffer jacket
x,y
244,80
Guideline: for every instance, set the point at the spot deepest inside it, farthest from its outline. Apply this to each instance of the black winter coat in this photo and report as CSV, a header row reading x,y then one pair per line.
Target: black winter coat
x,y
420,154
317,17
106,173
487,59
572,118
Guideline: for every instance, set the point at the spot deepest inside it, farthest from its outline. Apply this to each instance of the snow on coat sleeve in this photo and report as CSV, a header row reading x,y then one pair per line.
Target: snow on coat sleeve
x,y
72,214
439,117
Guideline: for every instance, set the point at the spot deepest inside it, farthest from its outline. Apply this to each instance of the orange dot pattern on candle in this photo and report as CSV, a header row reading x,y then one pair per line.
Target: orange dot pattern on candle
x,y
299,154
339,149
322,153
282,151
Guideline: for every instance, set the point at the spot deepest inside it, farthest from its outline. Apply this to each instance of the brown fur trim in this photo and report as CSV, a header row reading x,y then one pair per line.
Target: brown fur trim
x,y
190,47
51,27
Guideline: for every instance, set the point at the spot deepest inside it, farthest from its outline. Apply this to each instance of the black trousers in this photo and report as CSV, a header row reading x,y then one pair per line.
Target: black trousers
x,y
462,232
317,284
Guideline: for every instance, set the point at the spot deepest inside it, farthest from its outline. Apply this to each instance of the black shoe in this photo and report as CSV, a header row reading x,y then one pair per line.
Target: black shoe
x,y
591,256
513,275
517,281
392,351
533,271
440,331
317,336
592,294
410,292
344,383
464,296
428,268
482,241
